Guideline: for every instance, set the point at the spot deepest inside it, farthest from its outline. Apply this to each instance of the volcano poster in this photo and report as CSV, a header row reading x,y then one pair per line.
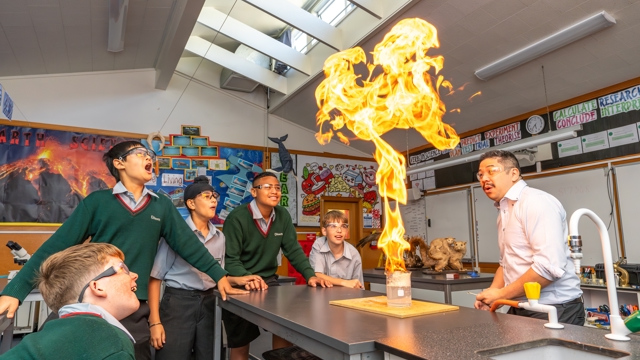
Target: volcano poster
x,y
44,174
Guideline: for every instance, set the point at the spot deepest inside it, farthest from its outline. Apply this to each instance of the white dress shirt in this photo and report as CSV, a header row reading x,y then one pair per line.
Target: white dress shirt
x,y
532,233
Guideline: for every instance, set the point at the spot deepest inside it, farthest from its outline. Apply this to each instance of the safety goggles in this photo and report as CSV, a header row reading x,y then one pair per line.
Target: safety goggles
x,y
141,152
109,272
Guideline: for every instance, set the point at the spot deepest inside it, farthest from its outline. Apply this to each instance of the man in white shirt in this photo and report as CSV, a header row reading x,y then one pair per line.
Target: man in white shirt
x,y
532,233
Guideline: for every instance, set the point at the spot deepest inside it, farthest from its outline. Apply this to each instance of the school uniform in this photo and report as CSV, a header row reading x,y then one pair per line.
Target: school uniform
x,y
188,305
348,266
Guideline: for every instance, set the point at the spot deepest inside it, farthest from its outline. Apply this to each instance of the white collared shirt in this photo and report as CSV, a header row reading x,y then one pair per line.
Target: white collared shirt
x,y
127,196
348,266
532,233
260,220
98,310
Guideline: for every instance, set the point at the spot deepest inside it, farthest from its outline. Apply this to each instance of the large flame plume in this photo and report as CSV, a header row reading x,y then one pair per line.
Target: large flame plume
x,y
402,96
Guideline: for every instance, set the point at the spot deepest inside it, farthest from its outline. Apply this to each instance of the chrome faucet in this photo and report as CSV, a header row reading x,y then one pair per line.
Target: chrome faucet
x,y
619,330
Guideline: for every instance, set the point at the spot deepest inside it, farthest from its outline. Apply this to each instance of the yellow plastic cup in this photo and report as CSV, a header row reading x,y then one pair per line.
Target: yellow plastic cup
x,y
532,290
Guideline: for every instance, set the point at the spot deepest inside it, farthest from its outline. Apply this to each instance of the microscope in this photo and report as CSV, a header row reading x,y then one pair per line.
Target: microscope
x,y
20,256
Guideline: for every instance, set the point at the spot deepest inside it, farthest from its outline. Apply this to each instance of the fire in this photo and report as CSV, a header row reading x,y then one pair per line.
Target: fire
x,y
403,96
58,159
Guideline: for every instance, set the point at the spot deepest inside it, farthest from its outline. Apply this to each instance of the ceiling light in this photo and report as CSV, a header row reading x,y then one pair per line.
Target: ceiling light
x,y
563,37
550,137
117,23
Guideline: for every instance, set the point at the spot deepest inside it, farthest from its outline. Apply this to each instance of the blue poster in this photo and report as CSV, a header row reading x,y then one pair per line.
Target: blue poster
x,y
7,106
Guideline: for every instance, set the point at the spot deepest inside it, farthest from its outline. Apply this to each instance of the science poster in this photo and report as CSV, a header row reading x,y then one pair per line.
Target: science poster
x,y
231,181
44,174
337,177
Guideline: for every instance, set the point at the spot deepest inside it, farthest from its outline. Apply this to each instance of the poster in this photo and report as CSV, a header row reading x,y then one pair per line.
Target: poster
x,y
569,147
594,142
623,135
289,184
231,181
44,174
336,177
7,105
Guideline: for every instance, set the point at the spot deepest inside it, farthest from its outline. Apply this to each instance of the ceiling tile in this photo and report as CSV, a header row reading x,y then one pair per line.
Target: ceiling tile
x,y
156,18
125,59
51,37
79,59
444,16
478,21
466,6
132,36
45,15
79,4
99,11
564,5
102,60
78,36
536,14
56,60
30,60
160,3
9,65
630,55
15,19
73,16
503,9
14,6
21,36
43,2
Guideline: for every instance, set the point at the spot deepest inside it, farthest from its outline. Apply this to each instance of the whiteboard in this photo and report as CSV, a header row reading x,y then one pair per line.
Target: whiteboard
x,y
486,227
584,189
414,218
450,217
627,182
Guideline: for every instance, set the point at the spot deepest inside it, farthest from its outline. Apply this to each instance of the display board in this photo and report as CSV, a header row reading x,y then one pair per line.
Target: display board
x,y
585,189
289,198
449,216
627,183
415,218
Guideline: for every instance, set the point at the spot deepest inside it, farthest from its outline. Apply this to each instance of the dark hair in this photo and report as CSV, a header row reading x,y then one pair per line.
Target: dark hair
x,y
200,184
263,175
116,152
505,158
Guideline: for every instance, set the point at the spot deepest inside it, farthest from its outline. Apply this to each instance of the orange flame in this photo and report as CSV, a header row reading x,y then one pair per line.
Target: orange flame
x,y
403,96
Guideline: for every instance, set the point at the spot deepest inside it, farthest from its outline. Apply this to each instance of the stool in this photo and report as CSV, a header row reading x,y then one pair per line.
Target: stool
x,y
289,353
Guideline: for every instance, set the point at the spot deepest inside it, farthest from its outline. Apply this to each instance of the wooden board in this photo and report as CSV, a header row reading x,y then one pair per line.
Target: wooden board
x,y
378,305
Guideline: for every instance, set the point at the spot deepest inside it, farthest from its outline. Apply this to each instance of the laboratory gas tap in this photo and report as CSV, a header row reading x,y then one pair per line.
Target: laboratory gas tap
x,y
619,328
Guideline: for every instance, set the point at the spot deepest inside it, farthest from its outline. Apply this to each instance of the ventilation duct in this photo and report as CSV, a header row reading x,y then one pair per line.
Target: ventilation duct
x,y
233,81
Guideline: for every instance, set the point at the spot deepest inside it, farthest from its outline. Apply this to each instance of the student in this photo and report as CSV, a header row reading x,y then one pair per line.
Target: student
x,y
254,235
91,288
532,235
132,218
185,316
332,258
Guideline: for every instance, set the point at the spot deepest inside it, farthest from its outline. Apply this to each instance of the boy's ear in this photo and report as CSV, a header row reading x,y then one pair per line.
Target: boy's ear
x,y
118,164
324,231
191,204
95,290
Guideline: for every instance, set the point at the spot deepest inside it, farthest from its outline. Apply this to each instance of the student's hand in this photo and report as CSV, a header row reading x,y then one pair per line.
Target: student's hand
x,y
225,289
250,282
481,306
489,295
9,304
315,281
353,283
157,336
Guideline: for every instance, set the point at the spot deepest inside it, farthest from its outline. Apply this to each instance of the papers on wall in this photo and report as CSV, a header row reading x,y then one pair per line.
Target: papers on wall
x,y
570,147
623,135
414,215
595,142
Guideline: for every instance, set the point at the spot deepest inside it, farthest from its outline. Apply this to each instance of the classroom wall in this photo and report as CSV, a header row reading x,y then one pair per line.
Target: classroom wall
x,y
127,101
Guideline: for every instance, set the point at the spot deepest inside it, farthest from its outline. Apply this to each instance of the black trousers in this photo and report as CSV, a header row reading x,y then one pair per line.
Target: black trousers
x,y
187,317
571,312
241,332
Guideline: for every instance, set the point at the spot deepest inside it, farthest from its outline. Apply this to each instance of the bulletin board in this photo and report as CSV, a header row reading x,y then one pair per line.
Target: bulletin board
x,y
627,184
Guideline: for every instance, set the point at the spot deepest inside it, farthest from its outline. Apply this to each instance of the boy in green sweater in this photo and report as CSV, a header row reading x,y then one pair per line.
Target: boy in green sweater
x,y
132,218
254,235
92,289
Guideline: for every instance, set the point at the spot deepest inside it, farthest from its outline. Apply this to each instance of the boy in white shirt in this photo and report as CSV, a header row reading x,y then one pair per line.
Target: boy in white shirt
x,y
332,258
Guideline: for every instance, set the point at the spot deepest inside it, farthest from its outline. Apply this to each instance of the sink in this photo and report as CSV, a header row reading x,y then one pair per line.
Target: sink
x,y
551,349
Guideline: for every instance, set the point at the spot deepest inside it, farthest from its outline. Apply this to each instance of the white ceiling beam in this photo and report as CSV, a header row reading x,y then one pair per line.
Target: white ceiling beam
x,y
237,64
301,20
373,7
254,39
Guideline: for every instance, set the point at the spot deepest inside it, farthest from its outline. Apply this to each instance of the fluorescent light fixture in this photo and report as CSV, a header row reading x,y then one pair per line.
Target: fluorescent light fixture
x,y
117,24
550,137
563,37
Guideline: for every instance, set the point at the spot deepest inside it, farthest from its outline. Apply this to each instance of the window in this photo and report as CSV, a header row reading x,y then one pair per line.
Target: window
x,y
331,12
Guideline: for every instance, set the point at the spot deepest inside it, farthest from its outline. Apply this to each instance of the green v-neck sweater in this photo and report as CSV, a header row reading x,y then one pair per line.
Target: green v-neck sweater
x,y
250,252
103,217
76,337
